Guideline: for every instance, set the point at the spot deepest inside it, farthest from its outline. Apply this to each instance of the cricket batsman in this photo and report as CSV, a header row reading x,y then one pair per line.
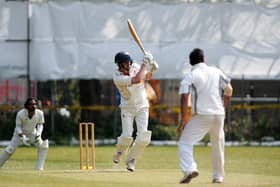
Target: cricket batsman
x,y
129,80
28,131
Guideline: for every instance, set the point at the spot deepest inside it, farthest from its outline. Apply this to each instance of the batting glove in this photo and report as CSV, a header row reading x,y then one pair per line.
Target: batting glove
x,y
154,65
148,58
25,140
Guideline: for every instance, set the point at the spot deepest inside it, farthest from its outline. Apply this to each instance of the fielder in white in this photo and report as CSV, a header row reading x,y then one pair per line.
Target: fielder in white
x,y
210,90
28,130
129,79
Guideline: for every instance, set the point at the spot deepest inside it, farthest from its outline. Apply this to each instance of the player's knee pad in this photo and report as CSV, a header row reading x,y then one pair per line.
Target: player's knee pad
x,y
10,149
126,141
43,144
42,154
144,138
123,143
141,141
4,156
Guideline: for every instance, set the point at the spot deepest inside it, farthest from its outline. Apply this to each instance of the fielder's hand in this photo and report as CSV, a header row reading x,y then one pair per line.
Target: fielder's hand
x,y
25,140
148,58
180,128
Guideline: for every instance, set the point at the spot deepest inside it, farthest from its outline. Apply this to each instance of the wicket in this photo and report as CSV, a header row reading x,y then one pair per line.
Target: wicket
x,y
85,126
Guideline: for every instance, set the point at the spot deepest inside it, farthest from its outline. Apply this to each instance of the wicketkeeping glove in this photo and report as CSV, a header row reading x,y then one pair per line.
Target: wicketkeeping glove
x,y
37,138
25,140
39,130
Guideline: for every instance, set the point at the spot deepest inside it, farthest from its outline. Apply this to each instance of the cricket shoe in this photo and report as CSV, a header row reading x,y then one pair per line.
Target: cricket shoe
x,y
117,157
188,178
130,165
217,180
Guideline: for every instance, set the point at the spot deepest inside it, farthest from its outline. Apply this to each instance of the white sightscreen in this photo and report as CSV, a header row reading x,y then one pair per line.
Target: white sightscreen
x,y
78,39
13,35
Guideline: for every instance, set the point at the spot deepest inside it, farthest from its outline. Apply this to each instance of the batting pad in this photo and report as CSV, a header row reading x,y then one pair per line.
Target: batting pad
x,y
142,140
4,156
41,155
123,143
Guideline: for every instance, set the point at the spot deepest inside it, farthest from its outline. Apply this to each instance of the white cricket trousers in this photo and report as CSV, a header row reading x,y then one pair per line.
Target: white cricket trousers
x,y
140,115
194,131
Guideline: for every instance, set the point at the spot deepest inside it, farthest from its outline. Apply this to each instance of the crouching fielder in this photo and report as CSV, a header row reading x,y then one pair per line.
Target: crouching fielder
x,y
28,130
129,79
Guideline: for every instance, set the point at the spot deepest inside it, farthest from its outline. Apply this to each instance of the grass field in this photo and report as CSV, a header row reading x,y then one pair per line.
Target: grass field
x,y
244,166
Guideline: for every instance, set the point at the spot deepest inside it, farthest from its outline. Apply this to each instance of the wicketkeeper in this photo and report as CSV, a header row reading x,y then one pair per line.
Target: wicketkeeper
x,y
129,79
28,131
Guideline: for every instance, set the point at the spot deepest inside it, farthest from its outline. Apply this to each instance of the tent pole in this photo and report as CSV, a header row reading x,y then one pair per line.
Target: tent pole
x,y
29,93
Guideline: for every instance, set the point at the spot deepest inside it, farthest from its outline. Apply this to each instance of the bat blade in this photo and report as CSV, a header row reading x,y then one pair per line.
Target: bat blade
x,y
134,35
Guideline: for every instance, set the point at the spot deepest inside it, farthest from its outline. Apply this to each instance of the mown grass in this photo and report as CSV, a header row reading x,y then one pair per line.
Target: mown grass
x,y
244,166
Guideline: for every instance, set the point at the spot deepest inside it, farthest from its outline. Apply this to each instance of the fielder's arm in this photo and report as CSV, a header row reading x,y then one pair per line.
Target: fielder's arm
x,y
184,109
227,94
19,130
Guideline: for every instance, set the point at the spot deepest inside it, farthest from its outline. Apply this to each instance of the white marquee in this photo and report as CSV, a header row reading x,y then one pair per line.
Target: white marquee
x,y
78,39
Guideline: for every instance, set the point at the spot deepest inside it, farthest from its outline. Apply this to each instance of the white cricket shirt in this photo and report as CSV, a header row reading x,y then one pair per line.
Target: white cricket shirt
x,y
132,95
206,86
26,124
